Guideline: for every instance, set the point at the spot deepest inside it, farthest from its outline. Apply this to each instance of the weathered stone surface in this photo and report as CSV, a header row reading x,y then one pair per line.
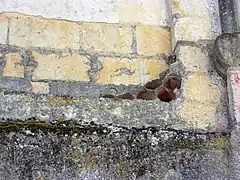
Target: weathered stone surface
x,y
236,13
120,71
200,115
198,87
233,88
152,69
74,89
228,12
122,113
33,31
15,84
14,65
185,8
40,87
100,37
84,110
187,29
152,12
186,20
16,106
202,99
226,52
152,40
194,59
75,10
72,67
123,71
135,113
121,154
65,75
233,84
3,29
39,151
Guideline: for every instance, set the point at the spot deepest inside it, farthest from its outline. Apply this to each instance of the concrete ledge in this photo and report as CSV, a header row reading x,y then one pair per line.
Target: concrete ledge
x,y
84,111
125,113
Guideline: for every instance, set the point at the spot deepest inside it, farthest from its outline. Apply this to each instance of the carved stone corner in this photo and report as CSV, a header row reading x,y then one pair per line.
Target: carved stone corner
x,y
226,52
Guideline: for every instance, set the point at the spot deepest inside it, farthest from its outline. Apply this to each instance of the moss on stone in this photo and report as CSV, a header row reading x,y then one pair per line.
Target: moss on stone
x,y
220,143
59,100
89,161
172,143
34,126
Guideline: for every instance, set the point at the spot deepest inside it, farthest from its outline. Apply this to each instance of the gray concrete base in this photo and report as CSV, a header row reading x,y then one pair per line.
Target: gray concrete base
x,y
35,150
101,111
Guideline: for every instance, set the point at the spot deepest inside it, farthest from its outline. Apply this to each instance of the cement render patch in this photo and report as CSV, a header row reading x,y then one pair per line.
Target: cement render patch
x,y
152,12
73,10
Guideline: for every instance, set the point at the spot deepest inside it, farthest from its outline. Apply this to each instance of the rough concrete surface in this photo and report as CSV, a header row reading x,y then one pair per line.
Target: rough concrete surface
x,y
38,151
126,113
123,113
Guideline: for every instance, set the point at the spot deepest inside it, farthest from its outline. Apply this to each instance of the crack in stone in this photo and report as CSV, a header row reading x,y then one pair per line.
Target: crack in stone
x,y
125,71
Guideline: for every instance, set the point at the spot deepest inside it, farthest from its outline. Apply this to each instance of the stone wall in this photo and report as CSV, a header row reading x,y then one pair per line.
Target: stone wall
x,y
87,57
58,57
81,51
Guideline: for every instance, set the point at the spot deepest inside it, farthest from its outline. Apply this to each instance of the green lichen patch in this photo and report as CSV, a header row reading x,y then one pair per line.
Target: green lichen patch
x,y
60,100
220,142
35,126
